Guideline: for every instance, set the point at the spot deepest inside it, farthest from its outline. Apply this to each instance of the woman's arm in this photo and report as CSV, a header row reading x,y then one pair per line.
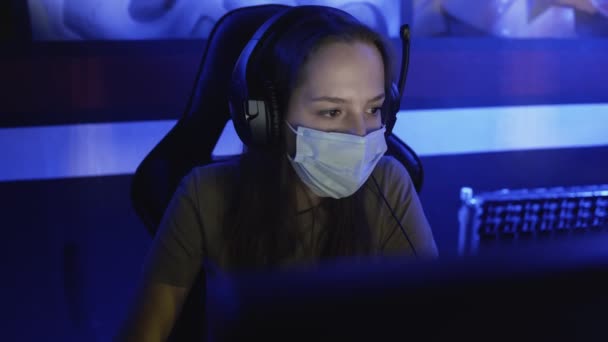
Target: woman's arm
x,y
153,313
171,266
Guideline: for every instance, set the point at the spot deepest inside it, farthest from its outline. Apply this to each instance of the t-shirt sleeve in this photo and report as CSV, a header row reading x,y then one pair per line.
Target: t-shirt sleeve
x,y
401,194
176,253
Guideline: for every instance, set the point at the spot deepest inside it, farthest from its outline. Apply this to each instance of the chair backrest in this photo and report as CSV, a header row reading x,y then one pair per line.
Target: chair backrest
x,y
191,141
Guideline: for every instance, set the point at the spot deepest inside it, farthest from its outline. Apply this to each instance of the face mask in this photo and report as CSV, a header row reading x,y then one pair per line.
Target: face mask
x,y
336,164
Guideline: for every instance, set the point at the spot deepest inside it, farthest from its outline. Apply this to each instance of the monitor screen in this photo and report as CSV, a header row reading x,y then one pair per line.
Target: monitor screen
x,y
549,291
192,19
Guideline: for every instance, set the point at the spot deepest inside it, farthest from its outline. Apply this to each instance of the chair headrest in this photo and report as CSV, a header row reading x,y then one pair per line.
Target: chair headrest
x,y
190,142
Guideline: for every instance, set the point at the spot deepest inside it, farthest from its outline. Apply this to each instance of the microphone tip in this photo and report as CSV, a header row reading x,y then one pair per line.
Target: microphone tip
x,y
405,31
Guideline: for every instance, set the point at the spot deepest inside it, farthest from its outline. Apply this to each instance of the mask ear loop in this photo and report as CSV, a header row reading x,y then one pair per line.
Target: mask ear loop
x,y
295,132
291,127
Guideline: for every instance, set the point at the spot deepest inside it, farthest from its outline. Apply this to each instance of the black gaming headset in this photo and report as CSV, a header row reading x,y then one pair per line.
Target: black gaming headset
x,y
254,107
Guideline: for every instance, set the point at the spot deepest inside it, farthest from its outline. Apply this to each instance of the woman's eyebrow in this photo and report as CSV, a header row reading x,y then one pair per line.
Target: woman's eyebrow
x,y
376,98
341,100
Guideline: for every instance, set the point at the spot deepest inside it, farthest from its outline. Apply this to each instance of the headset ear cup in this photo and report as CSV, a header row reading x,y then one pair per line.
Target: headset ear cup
x,y
248,91
274,120
238,114
270,134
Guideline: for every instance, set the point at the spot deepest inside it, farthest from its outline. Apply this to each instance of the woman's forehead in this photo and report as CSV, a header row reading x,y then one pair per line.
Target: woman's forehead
x,y
344,67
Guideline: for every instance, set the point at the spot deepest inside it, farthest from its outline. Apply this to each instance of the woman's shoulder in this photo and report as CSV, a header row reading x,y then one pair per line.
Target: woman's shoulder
x,y
212,175
217,169
390,171
391,178
387,161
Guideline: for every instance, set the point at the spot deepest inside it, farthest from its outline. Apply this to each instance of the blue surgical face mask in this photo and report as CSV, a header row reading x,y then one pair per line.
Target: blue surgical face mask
x,y
336,164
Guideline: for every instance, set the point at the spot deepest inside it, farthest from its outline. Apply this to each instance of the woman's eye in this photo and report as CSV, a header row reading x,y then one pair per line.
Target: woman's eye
x,y
376,111
331,113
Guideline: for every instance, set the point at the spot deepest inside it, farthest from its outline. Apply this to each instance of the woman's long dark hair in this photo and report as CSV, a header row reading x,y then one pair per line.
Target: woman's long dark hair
x,y
260,221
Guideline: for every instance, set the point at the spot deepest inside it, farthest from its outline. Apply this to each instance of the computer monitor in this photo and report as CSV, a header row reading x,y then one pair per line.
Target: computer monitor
x,y
553,291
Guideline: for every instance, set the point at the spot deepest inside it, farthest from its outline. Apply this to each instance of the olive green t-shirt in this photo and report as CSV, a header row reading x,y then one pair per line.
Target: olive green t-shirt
x,y
190,230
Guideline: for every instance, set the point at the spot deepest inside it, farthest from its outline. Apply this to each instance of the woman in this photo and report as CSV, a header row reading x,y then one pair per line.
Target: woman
x,y
319,192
